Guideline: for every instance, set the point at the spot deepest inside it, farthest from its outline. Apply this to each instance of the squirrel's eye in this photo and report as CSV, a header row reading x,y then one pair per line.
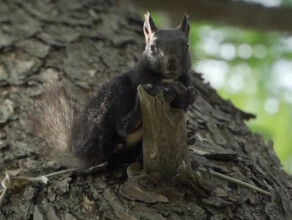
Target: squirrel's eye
x,y
187,46
152,47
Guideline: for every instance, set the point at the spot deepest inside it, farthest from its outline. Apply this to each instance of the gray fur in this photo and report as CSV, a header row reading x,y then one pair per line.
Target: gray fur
x,y
52,120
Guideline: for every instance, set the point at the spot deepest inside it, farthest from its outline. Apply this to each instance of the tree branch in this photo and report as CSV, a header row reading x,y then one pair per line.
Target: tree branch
x,y
228,12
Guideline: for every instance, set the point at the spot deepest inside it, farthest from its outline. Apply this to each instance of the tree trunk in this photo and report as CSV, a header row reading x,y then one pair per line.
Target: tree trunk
x,y
82,44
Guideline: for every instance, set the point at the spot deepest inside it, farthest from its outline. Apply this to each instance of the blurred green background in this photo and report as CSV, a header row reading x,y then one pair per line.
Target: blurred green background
x,y
251,68
254,70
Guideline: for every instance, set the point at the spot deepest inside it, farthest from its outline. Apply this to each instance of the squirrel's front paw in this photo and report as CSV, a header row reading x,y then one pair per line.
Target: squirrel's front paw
x,y
184,96
191,95
150,89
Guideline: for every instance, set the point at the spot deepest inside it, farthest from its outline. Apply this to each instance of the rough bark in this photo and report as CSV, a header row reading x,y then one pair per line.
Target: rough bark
x,y
227,12
82,44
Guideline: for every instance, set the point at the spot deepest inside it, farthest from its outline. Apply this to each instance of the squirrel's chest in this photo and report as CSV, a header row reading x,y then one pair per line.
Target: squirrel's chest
x,y
167,80
137,133
135,137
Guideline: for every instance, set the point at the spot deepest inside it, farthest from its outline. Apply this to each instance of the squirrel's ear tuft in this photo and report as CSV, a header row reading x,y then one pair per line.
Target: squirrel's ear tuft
x,y
185,26
149,26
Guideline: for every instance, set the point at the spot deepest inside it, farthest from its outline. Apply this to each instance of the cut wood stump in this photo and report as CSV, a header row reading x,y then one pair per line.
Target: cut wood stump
x,y
165,146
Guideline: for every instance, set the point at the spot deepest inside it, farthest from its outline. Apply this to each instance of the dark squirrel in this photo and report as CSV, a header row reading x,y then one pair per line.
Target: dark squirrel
x,y
109,125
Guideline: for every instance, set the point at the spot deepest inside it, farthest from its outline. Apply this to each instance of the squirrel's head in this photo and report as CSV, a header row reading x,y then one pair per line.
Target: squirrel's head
x,y
167,50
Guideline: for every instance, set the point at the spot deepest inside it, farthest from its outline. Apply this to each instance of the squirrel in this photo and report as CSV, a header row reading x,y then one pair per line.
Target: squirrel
x,y
109,128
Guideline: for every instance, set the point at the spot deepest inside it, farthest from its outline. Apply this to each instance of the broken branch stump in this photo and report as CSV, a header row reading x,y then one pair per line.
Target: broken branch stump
x,y
164,135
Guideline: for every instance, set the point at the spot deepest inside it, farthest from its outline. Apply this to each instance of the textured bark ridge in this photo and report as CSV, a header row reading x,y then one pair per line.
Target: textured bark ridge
x,y
82,44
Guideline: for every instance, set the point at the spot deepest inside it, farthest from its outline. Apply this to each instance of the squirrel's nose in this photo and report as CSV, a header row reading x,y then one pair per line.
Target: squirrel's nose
x,y
171,64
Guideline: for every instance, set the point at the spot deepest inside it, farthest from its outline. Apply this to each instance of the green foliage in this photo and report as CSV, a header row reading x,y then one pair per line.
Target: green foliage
x,y
251,77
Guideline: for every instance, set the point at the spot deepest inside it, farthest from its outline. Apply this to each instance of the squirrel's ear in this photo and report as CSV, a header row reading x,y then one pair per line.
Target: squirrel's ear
x,y
184,25
149,27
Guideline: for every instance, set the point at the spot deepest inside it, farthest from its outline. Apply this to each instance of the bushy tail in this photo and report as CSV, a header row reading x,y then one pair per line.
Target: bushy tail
x,y
52,119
